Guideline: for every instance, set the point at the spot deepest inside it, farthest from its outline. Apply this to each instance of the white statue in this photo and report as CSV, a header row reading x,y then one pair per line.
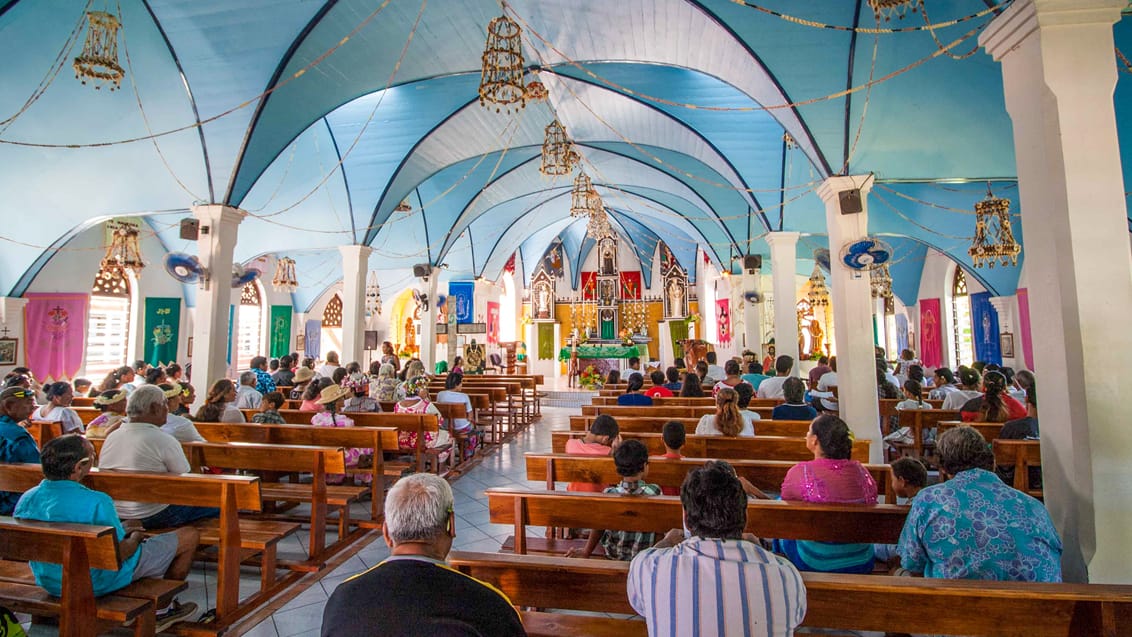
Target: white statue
x,y
675,298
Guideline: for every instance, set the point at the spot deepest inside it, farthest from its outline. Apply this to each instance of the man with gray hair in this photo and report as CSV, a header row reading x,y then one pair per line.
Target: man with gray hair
x,y
413,593
139,444
247,396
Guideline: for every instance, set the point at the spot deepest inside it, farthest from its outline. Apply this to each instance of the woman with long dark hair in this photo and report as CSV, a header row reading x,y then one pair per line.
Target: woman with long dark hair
x,y
58,408
727,419
691,387
218,405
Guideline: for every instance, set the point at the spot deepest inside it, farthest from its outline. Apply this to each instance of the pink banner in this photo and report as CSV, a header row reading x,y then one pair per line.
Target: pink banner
x,y
492,322
55,334
723,321
1024,327
931,334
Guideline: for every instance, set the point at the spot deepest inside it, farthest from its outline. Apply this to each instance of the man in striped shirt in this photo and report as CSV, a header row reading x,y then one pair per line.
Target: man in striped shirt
x,y
718,581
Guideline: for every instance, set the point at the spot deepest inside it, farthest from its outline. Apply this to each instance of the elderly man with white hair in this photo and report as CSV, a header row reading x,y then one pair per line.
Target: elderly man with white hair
x,y
413,592
139,444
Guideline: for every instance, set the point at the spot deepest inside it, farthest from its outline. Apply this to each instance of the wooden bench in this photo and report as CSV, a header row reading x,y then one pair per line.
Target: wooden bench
x,y
989,430
878,524
418,423
235,539
77,548
655,424
719,447
920,420
1022,456
43,431
833,601
87,414
379,439
668,472
624,411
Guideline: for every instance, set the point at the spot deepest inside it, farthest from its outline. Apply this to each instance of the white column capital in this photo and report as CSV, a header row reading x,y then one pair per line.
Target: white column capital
x,y
1001,304
354,251
832,186
211,214
1025,17
782,238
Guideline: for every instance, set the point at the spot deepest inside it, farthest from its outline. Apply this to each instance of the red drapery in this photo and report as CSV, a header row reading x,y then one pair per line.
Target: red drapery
x,y
931,334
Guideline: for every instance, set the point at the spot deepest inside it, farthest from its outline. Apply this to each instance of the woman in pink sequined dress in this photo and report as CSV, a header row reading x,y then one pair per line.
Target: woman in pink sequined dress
x,y
831,477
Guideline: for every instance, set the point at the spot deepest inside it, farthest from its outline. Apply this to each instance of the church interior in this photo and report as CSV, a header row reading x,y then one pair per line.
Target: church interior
x,y
545,189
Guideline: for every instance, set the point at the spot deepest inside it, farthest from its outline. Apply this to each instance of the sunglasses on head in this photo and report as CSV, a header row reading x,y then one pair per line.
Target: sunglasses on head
x,y
21,393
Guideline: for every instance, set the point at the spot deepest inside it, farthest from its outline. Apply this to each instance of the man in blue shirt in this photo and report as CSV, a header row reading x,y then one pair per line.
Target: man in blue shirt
x,y
974,526
264,383
16,444
62,498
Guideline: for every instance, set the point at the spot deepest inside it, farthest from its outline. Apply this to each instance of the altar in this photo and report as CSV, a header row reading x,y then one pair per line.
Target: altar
x,y
604,358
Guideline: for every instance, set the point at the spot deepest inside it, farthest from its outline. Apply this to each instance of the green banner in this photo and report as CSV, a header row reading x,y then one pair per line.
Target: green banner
x,y
603,351
679,332
545,341
162,329
280,330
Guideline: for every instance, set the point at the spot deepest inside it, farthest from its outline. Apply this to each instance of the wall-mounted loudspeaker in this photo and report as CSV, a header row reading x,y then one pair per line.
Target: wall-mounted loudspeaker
x,y
190,229
753,262
850,201
421,270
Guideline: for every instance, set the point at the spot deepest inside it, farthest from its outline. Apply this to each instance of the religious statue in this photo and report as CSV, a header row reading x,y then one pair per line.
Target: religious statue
x,y
608,292
473,357
410,335
675,298
542,301
816,336
607,258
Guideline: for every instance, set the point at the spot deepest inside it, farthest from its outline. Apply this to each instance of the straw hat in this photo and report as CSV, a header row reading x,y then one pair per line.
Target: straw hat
x,y
331,394
304,374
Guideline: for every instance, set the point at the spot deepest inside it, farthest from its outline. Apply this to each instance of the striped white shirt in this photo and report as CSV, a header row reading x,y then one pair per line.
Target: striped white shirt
x,y
714,587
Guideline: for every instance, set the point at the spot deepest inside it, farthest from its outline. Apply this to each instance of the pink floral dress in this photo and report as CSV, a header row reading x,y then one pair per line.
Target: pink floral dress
x,y
327,419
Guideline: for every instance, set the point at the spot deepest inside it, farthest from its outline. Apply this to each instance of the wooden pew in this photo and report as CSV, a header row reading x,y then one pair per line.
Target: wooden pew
x,y
318,461
668,472
880,523
230,534
888,405
619,411
379,439
87,414
920,420
989,430
833,601
1022,455
655,424
43,431
78,548
719,447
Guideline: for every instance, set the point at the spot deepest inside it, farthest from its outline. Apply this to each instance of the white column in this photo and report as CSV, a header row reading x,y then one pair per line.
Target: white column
x,y
355,267
215,245
1059,74
784,266
878,320
752,312
428,323
852,303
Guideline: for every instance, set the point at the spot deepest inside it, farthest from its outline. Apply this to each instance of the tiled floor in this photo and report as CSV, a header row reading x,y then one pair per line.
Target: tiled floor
x,y
302,616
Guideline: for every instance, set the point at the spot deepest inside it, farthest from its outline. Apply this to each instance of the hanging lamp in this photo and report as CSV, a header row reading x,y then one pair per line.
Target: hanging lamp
x,y
558,155
818,295
580,195
124,250
887,9
994,238
285,279
99,59
501,75
880,282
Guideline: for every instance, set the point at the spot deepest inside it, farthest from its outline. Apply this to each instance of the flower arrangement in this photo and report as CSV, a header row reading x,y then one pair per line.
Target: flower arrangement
x,y
694,317
626,335
591,379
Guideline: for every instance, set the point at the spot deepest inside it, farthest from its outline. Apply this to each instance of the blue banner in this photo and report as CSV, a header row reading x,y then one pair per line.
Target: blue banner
x,y
312,338
461,300
984,329
901,335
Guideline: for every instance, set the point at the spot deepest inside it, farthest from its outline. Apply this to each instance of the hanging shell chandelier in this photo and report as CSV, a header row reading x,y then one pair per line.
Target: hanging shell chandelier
x,y
558,154
994,238
124,250
285,279
536,90
818,295
887,9
880,280
580,195
501,76
99,59
598,226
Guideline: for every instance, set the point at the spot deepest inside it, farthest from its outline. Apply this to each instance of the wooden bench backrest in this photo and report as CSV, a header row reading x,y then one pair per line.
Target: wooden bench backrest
x,y
1020,454
404,422
87,414
619,411
757,448
990,430
452,410
363,437
669,472
43,431
845,602
53,541
880,523
265,457
655,424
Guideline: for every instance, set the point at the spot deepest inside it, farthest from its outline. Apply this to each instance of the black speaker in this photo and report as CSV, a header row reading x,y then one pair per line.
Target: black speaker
x,y
850,201
370,340
753,262
190,229
421,270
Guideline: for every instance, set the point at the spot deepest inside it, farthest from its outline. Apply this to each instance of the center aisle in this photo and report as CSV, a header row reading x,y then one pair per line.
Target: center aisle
x,y
302,616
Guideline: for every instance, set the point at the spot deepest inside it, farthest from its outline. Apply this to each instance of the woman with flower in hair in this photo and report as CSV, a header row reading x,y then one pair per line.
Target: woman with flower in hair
x,y
359,401
386,388
416,401
332,400
112,404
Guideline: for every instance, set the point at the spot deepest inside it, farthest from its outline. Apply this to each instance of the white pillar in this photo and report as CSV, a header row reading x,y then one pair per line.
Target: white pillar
x,y
428,323
752,312
783,266
355,267
852,303
1059,74
215,245
878,320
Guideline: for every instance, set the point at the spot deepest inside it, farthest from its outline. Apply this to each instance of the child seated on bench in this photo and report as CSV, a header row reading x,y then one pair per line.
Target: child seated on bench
x,y
61,497
909,476
632,461
272,401
602,438
674,435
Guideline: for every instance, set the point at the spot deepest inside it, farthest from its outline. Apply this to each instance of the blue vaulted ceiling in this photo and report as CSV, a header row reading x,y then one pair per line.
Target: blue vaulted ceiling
x,y
319,117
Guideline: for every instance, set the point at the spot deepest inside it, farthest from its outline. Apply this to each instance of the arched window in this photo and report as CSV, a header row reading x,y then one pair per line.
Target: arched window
x,y
961,319
249,341
108,322
332,326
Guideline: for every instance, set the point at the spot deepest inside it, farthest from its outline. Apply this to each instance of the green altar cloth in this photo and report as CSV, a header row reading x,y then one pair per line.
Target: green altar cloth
x,y
602,351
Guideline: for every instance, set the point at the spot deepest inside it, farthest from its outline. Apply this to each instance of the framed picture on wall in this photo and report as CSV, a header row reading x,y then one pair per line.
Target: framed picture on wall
x,y
189,347
8,349
1006,344
300,343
